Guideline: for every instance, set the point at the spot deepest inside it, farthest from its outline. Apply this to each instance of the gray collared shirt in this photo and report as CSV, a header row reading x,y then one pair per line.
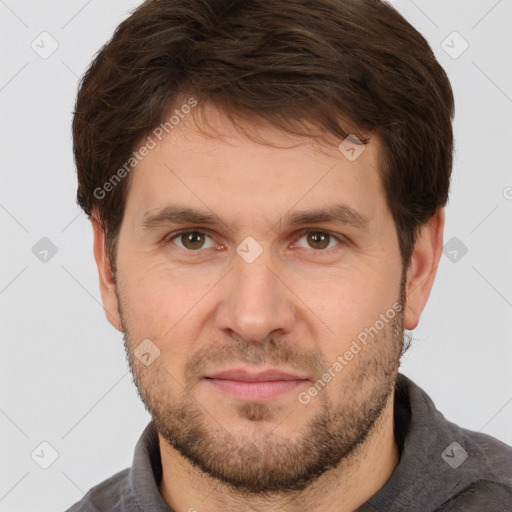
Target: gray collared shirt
x,y
442,468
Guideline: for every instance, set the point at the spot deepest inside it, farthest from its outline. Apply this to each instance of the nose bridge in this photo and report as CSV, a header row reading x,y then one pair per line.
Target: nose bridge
x,y
256,303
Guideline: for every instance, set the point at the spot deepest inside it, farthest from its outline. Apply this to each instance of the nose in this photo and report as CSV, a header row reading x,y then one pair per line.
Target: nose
x,y
256,301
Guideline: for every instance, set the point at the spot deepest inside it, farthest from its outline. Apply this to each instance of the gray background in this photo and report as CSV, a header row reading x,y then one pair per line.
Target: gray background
x,y
63,376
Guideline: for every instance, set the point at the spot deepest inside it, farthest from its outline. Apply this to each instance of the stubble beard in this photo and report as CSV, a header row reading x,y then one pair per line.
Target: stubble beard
x,y
266,462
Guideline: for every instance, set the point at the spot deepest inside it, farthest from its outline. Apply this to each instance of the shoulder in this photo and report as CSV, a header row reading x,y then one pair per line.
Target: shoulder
x,y
481,495
109,495
484,477
446,467
492,457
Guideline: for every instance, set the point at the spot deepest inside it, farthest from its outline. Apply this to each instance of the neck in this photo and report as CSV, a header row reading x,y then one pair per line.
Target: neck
x,y
342,489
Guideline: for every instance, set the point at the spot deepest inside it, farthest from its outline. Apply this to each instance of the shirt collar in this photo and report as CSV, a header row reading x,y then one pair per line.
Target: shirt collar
x,y
146,472
421,431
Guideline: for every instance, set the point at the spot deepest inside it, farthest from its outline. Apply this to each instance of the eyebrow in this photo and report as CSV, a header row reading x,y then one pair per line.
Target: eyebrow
x,y
340,214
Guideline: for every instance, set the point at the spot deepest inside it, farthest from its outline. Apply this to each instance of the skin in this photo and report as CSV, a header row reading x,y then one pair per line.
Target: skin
x,y
297,307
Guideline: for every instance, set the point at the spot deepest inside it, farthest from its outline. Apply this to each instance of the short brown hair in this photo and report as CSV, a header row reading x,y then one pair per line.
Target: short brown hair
x,y
293,63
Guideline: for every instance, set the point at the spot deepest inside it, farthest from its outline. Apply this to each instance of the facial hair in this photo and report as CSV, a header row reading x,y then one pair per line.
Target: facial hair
x,y
269,464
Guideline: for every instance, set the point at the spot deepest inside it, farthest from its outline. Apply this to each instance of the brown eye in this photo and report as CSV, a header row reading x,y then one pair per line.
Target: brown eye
x,y
191,240
319,240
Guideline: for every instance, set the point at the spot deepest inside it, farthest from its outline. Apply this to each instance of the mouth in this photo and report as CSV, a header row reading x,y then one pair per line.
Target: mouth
x,y
255,386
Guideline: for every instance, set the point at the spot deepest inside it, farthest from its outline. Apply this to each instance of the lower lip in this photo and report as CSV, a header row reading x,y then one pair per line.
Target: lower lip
x,y
255,391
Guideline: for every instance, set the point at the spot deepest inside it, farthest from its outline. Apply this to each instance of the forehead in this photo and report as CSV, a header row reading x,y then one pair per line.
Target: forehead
x,y
223,170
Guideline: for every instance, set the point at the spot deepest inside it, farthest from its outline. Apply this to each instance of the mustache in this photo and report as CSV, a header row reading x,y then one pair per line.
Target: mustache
x,y
254,353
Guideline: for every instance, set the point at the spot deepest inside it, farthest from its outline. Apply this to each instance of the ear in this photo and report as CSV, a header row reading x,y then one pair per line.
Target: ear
x,y
107,285
423,267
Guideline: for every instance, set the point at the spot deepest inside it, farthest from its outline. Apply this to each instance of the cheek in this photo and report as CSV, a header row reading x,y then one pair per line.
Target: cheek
x,y
346,305
160,293
165,307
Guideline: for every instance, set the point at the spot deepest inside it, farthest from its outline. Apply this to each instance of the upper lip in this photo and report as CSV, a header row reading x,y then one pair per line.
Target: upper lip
x,y
242,374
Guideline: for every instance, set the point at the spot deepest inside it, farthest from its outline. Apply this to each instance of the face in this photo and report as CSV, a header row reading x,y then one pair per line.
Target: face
x,y
274,339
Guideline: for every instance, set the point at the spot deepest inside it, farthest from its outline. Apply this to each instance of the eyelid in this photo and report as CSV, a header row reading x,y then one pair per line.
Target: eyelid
x,y
341,239
168,238
338,237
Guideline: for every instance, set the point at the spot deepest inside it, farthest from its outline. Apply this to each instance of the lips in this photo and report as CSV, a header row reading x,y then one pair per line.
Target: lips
x,y
246,376
262,386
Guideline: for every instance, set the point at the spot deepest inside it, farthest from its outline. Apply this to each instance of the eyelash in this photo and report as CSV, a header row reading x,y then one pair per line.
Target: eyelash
x,y
339,238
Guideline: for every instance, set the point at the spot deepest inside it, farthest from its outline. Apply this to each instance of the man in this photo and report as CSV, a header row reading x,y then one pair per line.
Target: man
x,y
266,183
